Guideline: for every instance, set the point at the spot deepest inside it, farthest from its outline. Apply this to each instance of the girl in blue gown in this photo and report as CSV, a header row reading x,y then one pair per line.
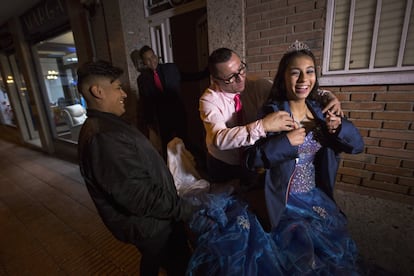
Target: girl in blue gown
x,y
308,231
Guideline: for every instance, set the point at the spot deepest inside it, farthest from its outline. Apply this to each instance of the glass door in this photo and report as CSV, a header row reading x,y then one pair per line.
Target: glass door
x,y
58,62
27,104
6,110
20,106
161,39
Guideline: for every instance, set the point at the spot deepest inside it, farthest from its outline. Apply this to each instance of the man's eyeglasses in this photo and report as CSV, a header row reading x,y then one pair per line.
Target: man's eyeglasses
x,y
235,76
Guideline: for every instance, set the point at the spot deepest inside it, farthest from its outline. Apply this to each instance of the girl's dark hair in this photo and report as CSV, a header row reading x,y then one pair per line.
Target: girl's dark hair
x,y
219,55
278,91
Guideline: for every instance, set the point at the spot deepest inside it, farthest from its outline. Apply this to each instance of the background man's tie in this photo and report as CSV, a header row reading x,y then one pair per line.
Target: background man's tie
x,y
157,81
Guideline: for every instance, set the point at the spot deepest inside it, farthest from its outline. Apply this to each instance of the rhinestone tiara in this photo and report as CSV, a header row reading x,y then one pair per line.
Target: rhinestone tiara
x,y
297,46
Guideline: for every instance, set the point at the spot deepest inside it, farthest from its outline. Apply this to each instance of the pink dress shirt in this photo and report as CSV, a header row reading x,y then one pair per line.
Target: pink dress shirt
x,y
217,111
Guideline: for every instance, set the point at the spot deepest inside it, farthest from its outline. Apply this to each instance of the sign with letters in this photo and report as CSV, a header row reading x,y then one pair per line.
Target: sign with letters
x,y
49,16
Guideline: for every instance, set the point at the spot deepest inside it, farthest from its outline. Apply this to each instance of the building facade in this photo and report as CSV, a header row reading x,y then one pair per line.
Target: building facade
x,y
39,64
364,50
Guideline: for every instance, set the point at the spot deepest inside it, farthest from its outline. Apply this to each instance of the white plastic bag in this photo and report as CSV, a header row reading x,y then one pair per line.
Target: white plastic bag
x,y
183,168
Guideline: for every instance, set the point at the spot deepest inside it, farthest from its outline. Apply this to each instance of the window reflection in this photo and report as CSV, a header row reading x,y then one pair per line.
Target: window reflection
x,y
58,62
6,111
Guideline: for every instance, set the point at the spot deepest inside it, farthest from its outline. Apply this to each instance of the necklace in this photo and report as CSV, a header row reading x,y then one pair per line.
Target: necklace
x,y
304,117
300,122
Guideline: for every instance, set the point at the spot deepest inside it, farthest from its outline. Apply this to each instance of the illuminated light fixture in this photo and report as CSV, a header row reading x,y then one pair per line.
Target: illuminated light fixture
x,y
10,79
52,75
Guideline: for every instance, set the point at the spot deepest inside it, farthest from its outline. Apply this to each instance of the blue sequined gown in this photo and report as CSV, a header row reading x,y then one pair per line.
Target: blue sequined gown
x,y
312,233
311,238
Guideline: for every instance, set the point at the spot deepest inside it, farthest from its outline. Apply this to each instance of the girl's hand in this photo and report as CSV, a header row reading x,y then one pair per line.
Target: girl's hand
x,y
297,136
332,122
333,104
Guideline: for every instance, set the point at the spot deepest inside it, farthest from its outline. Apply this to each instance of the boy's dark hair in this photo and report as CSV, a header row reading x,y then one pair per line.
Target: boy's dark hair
x,y
98,68
219,55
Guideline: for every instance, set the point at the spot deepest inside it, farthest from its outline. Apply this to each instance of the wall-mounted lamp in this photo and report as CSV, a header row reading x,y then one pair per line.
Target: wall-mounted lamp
x,y
52,75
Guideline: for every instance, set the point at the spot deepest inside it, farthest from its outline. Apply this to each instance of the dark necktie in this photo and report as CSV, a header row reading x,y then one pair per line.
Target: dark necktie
x,y
157,81
238,108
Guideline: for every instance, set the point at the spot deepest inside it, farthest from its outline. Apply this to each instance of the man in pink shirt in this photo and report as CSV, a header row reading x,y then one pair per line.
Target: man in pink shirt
x,y
225,135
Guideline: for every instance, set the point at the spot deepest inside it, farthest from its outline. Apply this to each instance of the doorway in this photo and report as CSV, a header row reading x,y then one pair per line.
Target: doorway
x,y
189,37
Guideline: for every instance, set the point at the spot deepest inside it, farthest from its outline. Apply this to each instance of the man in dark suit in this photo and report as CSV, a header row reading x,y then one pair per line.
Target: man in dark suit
x,y
163,109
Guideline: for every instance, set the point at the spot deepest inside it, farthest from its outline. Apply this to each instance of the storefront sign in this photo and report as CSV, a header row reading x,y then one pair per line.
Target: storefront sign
x,y
47,16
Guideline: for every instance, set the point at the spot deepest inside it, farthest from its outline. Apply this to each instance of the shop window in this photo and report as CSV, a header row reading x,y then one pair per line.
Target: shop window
x,y
368,42
58,63
6,111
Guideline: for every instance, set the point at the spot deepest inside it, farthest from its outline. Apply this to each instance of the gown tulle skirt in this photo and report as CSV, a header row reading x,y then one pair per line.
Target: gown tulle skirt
x,y
231,241
311,239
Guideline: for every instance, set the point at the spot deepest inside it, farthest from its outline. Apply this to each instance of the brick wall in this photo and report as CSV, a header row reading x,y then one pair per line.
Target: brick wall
x,y
384,114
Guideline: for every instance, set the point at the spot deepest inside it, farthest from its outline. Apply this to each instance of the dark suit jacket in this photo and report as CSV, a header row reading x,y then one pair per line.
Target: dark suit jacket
x,y
163,109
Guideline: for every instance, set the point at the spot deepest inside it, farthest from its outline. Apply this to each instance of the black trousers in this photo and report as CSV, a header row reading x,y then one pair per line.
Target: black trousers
x,y
251,184
220,171
169,250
